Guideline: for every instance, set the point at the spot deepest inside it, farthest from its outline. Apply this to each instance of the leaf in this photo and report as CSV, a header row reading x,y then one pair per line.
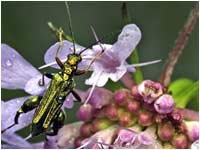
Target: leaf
x,y
187,95
113,86
179,85
194,103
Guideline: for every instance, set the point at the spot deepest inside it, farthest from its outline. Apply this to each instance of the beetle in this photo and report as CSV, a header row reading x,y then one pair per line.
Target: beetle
x,y
48,107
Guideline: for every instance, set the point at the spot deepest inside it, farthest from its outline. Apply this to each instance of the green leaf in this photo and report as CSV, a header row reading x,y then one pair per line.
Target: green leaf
x,y
179,85
194,103
113,86
185,96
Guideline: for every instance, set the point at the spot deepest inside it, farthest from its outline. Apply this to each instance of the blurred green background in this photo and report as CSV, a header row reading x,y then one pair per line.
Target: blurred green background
x,y
24,27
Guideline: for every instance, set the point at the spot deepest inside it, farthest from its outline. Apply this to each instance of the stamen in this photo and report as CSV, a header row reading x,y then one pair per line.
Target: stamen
x,y
144,64
92,89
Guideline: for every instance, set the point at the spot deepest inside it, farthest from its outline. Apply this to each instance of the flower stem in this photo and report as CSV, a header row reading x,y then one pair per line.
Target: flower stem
x,y
127,80
180,43
189,114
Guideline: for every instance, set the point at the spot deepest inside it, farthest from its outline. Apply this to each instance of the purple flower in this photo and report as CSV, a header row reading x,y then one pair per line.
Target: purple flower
x,y
150,90
17,73
134,138
164,104
101,139
125,138
112,64
8,111
100,97
192,130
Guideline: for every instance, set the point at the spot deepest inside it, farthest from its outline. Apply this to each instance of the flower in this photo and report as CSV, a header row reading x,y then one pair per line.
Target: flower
x,y
100,139
192,130
150,90
17,73
164,104
112,63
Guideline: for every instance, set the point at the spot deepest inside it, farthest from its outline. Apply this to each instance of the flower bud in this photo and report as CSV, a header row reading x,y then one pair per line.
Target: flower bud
x,y
100,124
85,112
135,93
180,141
168,146
111,112
121,96
145,118
99,113
85,130
192,130
100,97
78,141
164,104
133,106
176,116
126,119
166,131
150,90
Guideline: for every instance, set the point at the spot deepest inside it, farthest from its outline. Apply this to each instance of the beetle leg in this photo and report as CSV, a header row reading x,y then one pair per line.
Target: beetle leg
x,y
28,105
57,124
90,64
78,98
48,75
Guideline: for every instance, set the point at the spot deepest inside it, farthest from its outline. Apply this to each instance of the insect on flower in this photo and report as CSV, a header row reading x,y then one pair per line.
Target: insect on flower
x,y
48,107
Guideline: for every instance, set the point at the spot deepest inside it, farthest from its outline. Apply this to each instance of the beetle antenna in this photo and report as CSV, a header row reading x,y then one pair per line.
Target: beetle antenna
x,y
96,37
70,25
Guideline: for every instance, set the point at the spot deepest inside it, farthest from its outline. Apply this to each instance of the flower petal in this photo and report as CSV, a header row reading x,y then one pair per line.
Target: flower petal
x,y
32,87
69,101
15,70
98,77
66,49
121,70
127,41
16,141
100,97
8,111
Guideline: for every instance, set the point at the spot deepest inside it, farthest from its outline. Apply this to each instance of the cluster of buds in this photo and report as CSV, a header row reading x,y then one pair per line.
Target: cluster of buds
x,y
145,106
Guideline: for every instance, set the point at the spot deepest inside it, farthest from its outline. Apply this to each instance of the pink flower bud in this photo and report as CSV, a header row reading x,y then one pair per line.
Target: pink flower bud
x,y
99,113
121,96
145,118
126,119
111,112
85,112
135,93
133,106
150,90
78,142
192,130
166,131
164,104
100,124
180,141
85,130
